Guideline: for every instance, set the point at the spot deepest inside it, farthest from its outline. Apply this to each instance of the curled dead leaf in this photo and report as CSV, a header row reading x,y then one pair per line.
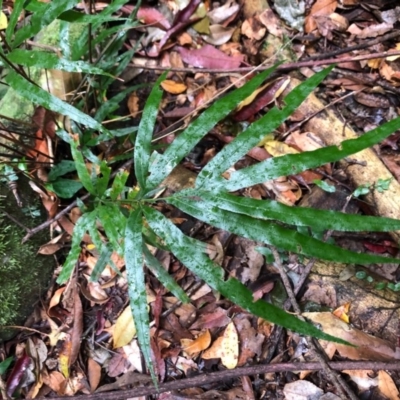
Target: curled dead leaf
x,y
226,347
173,87
193,347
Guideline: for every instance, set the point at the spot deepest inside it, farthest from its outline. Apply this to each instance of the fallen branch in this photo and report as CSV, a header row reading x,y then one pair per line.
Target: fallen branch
x,y
208,378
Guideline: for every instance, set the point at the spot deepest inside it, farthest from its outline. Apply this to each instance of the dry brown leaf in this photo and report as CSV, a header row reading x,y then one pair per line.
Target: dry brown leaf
x,y
94,292
253,29
215,350
341,23
216,319
218,35
77,383
375,30
193,347
56,381
124,330
271,22
387,386
368,347
94,374
226,347
49,249
390,73
306,141
173,87
218,15
319,8
133,103
342,312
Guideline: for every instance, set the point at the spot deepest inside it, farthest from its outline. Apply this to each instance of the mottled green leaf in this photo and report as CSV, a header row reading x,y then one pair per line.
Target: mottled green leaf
x,y
101,263
46,60
271,233
39,20
136,284
191,254
256,132
114,224
37,95
80,165
118,184
163,164
102,181
164,277
300,216
61,168
292,164
64,188
12,23
141,155
73,255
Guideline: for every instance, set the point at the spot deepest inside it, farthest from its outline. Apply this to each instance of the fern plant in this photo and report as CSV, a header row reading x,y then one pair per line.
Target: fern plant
x,y
130,229
131,223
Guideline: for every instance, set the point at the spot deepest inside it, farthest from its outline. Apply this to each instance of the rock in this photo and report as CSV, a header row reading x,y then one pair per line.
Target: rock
x,y
329,396
302,390
24,274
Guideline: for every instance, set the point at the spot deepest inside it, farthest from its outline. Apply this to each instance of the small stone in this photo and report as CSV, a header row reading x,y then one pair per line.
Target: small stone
x,y
329,396
302,390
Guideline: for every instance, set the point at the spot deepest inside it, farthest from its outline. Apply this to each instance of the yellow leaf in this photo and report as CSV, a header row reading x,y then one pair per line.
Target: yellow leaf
x,y
342,312
248,100
192,347
124,329
387,386
173,87
3,21
215,350
230,347
226,347
277,149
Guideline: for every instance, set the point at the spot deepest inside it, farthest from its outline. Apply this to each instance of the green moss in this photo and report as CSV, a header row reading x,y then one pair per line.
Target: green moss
x,y
23,274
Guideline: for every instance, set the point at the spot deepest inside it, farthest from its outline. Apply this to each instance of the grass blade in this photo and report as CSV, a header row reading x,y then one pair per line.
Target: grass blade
x,y
299,216
136,284
184,143
141,153
190,252
272,234
211,173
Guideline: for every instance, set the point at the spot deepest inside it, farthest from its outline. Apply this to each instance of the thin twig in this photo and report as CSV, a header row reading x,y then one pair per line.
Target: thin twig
x,y
15,220
365,44
220,376
283,67
342,387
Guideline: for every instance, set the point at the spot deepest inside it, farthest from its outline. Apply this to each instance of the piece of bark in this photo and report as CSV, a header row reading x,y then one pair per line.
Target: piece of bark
x,y
366,167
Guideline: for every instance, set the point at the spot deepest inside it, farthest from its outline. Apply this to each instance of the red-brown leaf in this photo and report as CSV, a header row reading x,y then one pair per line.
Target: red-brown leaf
x,y
209,57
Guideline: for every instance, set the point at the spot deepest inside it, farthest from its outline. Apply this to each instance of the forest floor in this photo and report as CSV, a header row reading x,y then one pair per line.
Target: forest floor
x,y
206,49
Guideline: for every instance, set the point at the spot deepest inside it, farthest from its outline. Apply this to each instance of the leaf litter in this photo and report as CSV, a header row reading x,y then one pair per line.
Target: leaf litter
x,y
210,333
